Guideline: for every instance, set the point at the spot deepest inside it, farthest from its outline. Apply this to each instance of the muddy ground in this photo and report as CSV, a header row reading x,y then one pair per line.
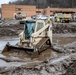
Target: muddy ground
x,y
61,60
64,28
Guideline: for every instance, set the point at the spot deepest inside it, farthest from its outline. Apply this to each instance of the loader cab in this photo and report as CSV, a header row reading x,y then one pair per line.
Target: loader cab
x,y
34,31
32,26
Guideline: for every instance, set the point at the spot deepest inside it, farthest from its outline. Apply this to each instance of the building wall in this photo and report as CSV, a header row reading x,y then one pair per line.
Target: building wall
x,y
39,11
28,10
48,11
8,10
51,11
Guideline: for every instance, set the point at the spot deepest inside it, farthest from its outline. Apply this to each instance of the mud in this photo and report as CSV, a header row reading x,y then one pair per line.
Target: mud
x,y
60,60
11,28
71,70
49,62
64,28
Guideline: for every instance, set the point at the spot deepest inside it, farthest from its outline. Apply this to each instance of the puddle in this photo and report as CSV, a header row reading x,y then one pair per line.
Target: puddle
x,y
2,63
10,64
4,41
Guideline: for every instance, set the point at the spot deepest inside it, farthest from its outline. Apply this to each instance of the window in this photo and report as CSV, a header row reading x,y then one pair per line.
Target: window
x,y
38,11
18,9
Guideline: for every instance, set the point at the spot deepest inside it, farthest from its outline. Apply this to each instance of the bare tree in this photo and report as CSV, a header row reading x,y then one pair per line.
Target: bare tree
x,y
46,3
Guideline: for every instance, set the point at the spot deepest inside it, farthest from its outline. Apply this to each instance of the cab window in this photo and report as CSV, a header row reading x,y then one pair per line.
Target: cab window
x,y
39,25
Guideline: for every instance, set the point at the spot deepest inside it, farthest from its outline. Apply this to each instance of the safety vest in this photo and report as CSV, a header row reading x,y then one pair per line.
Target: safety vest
x,y
48,19
58,20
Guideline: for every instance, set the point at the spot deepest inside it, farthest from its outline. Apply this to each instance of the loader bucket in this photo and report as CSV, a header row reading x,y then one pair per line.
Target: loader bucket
x,y
35,52
9,47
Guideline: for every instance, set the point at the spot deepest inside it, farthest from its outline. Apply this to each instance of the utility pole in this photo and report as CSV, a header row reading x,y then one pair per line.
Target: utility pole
x,y
72,3
38,6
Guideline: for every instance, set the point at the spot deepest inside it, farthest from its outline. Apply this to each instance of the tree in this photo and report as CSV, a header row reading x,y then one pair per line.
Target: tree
x,y
46,3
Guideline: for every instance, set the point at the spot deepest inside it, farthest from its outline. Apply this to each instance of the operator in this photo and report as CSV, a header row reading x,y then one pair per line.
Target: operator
x,y
58,20
14,16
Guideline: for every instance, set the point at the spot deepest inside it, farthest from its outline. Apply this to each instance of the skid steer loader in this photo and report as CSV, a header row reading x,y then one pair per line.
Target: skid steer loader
x,y
36,37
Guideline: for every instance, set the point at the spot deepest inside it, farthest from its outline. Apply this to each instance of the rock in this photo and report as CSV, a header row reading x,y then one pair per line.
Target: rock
x,y
50,69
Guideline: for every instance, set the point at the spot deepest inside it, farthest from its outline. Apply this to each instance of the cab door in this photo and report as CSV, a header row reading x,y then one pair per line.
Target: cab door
x,y
29,29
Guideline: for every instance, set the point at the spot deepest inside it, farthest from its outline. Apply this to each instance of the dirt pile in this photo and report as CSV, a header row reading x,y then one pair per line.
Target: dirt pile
x,y
12,27
10,30
64,28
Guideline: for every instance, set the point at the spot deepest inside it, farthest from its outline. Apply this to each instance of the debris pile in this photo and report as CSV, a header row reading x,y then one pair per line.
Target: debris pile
x,y
12,27
10,30
64,28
